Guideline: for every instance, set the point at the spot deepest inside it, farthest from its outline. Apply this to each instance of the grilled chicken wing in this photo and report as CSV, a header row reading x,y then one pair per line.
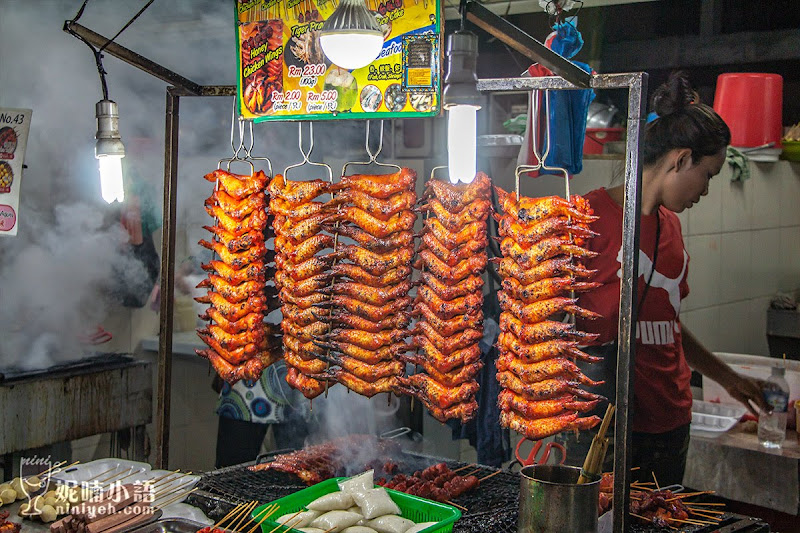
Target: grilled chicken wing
x,y
543,331
368,294
307,269
456,197
536,209
297,253
257,220
365,310
248,322
372,263
528,234
306,365
401,239
509,400
237,208
367,340
552,268
424,387
297,192
466,286
540,390
233,311
249,370
464,411
447,362
403,221
343,318
541,309
451,326
355,384
295,212
447,345
451,257
235,356
383,186
474,266
542,250
310,387
452,378
232,293
236,185
299,289
359,275
231,341
446,309
476,211
377,207
538,428
303,302
255,270
308,333
474,231
368,372
551,368
385,353
544,289
533,353
299,231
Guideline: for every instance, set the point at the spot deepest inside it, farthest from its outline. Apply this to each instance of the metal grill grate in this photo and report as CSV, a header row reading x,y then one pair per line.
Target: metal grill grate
x,y
492,507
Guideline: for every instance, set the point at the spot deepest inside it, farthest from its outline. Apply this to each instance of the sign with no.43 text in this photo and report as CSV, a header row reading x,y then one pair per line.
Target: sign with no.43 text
x,y
14,127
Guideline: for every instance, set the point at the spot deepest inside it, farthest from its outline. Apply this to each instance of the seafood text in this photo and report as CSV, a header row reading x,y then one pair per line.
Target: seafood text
x,y
392,49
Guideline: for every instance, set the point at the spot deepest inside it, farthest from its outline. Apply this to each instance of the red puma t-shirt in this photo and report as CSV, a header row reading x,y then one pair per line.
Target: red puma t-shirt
x,y
662,393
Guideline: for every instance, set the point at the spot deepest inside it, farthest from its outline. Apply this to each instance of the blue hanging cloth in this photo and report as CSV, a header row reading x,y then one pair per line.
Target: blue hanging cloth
x,y
568,109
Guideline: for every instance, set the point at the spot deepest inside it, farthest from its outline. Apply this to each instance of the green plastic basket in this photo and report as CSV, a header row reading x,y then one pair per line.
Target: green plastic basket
x,y
411,507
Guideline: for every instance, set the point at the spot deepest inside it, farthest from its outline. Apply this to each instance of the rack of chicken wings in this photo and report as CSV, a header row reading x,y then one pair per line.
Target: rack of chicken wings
x,y
368,302
301,273
542,247
449,301
240,344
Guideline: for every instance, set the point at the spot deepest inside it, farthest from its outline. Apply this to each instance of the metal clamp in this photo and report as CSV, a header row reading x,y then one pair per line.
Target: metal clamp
x,y
307,154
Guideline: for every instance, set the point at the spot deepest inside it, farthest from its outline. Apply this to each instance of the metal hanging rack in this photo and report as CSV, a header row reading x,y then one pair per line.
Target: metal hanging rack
x,y
307,154
573,78
373,157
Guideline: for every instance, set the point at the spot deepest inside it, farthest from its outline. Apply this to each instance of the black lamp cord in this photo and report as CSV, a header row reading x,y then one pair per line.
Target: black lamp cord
x,y
98,53
655,258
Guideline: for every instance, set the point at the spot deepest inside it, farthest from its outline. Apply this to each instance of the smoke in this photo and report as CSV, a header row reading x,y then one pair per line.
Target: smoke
x,y
55,274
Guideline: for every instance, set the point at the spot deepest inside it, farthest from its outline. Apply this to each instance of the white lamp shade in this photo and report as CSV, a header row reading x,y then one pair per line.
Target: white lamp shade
x,y
462,141
351,50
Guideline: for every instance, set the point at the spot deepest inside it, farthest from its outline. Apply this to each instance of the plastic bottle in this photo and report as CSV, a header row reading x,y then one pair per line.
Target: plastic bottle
x,y
772,425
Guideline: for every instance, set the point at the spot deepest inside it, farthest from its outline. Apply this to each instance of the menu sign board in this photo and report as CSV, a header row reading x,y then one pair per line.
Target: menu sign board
x,y
14,127
284,75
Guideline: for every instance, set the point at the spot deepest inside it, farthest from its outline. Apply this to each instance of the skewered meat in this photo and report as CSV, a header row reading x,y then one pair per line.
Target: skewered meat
x,y
251,321
544,289
368,372
299,289
294,211
543,427
541,309
303,302
532,353
527,235
476,211
306,269
310,387
552,268
230,341
394,241
451,344
361,386
398,321
464,287
235,259
375,313
306,249
237,208
304,333
368,294
508,400
536,209
542,250
473,266
444,309
373,263
452,378
542,331
307,349
307,365
257,220
233,311
232,293
298,231
255,270
402,221
251,369
550,368
456,197
425,388
382,186
378,207
358,274
239,186
451,326
385,353
366,340
472,231
447,362
297,192
451,257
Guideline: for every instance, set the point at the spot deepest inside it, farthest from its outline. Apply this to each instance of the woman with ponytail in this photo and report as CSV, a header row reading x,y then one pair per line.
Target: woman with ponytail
x,y
683,149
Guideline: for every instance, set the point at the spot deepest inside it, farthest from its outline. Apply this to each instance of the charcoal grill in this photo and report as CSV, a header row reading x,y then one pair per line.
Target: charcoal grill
x,y
491,508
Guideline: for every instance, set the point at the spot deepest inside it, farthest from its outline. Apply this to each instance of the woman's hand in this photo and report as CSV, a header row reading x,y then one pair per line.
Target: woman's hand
x,y
748,391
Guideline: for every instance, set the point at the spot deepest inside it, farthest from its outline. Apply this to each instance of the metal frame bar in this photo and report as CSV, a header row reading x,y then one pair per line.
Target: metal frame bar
x,y
636,83
525,44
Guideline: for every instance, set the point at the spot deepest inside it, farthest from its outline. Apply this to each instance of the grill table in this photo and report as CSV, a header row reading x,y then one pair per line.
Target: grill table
x,y
491,508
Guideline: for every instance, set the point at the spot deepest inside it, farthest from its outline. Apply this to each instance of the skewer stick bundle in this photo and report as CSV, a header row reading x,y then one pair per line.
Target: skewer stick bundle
x,y
593,465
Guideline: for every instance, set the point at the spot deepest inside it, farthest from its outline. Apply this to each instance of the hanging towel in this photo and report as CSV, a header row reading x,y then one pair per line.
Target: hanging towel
x,y
740,167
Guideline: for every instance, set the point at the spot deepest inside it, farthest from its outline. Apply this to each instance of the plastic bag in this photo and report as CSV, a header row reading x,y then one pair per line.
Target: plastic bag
x,y
375,503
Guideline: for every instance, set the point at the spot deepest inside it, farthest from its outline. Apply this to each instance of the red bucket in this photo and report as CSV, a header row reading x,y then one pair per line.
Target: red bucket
x,y
752,106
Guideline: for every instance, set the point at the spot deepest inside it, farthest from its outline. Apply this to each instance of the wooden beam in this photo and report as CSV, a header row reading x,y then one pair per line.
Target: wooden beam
x,y
696,51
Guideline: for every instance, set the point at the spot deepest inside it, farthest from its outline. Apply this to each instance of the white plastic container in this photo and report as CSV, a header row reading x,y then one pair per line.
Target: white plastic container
x,y
713,419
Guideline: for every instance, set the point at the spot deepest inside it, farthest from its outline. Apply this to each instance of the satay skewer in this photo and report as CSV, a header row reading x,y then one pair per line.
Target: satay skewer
x,y
265,513
454,504
238,514
490,475
221,520
285,524
464,467
245,517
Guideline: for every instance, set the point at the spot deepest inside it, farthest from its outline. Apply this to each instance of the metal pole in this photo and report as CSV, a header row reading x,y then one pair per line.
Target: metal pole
x,y
167,279
132,58
627,300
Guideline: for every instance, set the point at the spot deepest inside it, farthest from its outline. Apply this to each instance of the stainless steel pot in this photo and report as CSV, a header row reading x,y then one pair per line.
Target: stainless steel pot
x,y
551,501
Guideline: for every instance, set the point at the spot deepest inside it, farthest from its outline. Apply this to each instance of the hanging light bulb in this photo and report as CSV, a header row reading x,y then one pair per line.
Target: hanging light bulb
x,y
109,151
461,100
351,37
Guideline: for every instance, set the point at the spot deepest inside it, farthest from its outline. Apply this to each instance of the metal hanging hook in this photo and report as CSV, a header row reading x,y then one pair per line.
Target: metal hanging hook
x,y
534,134
234,149
373,157
307,154
248,150
549,141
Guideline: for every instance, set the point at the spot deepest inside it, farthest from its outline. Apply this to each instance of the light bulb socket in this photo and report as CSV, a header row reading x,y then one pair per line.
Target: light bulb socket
x,y
352,16
461,80
109,142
